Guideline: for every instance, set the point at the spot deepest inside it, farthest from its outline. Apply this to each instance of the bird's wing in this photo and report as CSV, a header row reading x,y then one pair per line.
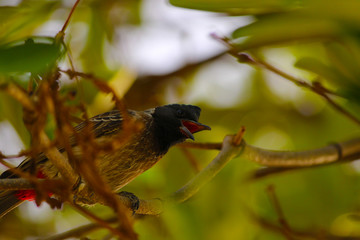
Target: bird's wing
x,y
110,122
103,124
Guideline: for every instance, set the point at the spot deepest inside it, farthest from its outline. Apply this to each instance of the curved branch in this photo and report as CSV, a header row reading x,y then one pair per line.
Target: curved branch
x,y
344,151
282,161
228,152
339,152
231,148
155,206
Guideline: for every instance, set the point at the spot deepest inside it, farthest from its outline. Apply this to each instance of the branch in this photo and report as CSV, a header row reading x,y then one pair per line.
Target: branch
x,y
50,151
337,152
59,160
79,231
231,148
206,146
100,222
155,206
315,87
281,161
141,93
192,159
343,151
286,230
69,16
18,94
36,108
228,152
17,184
278,160
283,228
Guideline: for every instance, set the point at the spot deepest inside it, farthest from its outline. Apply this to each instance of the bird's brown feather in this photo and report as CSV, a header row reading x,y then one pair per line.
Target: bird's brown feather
x,y
140,151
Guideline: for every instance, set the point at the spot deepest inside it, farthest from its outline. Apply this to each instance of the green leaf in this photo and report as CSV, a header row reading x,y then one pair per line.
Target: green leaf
x,y
345,11
240,7
20,21
284,28
343,85
314,20
330,73
317,67
344,61
11,110
93,52
353,94
30,56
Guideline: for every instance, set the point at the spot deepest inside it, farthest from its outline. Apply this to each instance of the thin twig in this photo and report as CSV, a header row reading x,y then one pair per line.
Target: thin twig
x,y
50,151
59,160
283,227
320,90
270,226
98,220
79,231
315,87
239,137
205,146
339,108
18,94
69,16
89,170
192,159
281,217
266,171
102,86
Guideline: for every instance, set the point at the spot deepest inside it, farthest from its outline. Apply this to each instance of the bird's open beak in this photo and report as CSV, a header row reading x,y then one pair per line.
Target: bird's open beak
x,y
189,127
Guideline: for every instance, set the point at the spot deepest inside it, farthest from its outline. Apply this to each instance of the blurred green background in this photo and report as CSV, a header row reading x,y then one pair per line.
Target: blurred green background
x,y
156,52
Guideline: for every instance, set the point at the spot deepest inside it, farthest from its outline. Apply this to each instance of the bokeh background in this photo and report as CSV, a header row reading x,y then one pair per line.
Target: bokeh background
x,y
155,52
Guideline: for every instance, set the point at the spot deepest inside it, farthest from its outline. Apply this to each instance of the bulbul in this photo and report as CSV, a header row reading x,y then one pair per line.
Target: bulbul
x,y
164,126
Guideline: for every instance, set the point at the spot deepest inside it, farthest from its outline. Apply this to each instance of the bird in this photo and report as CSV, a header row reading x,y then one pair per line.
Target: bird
x,y
163,127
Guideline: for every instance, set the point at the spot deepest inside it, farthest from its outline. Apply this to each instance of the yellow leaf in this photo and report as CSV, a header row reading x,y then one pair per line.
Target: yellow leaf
x,y
120,83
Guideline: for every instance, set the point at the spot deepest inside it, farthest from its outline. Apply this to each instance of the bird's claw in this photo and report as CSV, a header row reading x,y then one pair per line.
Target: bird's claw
x,y
134,200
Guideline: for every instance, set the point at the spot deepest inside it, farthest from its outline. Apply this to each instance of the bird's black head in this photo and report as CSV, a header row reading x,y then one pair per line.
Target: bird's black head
x,y
175,123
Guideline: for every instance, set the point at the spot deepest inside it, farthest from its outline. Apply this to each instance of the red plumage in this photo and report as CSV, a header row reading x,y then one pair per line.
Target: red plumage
x,y
30,194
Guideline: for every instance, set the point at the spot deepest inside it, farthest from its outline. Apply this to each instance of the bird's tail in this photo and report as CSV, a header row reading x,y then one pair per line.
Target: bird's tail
x,y
8,201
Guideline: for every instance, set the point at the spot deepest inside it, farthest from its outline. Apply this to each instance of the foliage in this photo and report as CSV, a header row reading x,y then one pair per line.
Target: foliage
x,y
317,41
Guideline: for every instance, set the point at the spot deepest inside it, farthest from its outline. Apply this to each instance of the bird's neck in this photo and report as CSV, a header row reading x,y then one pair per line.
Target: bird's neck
x,y
163,138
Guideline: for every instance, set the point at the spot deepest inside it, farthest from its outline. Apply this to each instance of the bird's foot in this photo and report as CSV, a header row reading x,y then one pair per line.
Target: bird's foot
x,y
134,200
84,195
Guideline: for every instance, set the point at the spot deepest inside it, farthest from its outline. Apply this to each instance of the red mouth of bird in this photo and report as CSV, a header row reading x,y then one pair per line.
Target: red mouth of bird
x,y
189,127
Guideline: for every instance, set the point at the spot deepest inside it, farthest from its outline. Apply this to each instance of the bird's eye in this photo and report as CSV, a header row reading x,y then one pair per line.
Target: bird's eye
x,y
180,113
